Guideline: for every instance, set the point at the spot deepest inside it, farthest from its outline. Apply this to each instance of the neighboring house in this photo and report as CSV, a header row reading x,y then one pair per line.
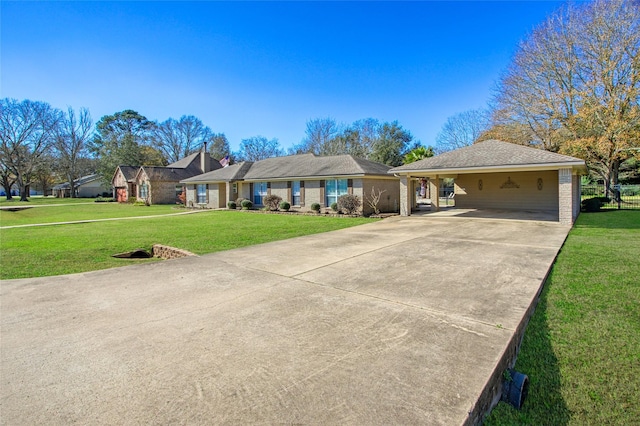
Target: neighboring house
x,y
124,183
85,187
302,180
499,175
161,185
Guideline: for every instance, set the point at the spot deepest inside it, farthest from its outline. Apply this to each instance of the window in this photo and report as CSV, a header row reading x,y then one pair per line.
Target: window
x,y
259,192
334,188
143,190
295,193
202,193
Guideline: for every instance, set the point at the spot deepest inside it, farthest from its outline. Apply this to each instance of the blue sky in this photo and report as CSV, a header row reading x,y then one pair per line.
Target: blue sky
x,y
264,68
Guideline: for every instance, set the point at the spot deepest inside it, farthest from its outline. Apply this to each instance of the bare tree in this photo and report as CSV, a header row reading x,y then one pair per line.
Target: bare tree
x,y
219,146
72,137
374,199
319,132
258,148
575,83
178,138
27,131
462,129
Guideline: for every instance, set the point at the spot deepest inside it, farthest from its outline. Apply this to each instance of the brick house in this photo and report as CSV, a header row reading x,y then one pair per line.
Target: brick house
x,y
161,185
499,175
124,183
302,180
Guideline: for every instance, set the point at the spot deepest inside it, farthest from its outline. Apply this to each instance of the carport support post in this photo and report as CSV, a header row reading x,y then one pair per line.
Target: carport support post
x,y
406,197
434,193
565,196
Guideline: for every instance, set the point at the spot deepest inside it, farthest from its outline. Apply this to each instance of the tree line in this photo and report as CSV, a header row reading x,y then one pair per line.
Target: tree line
x,y
573,87
41,144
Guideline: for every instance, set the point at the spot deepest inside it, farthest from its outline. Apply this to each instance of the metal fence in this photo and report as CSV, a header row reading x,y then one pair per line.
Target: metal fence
x,y
620,197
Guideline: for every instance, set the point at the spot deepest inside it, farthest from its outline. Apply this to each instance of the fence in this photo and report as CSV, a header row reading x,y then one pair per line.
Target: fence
x,y
621,197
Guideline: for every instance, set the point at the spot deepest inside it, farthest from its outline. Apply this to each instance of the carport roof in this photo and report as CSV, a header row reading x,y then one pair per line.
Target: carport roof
x,y
492,154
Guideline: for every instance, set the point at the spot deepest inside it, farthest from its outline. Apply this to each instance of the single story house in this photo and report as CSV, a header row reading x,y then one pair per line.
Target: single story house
x,y
499,175
160,184
124,183
302,180
85,187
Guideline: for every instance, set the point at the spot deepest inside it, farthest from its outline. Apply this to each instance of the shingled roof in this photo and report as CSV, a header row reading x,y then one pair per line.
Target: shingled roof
x,y
226,174
167,174
490,154
295,166
129,172
310,165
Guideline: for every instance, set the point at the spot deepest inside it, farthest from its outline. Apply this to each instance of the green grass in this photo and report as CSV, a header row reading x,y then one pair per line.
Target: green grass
x,y
40,200
63,249
581,349
68,213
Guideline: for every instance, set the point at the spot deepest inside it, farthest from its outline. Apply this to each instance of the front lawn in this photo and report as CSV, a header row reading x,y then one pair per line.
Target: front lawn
x,y
40,200
78,211
64,249
581,349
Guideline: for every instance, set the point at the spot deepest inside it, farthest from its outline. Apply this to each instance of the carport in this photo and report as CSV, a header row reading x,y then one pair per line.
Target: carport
x,y
499,175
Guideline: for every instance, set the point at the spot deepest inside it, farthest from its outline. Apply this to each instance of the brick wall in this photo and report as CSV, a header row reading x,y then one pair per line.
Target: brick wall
x,y
166,252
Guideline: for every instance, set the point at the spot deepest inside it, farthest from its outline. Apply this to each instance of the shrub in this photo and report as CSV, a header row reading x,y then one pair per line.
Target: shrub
x,y
272,202
104,200
231,205
315,207
593,204
246,204
285,206
334,207
349,204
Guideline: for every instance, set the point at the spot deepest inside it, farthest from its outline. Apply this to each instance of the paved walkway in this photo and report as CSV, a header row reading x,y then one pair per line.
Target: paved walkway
x,y
402,321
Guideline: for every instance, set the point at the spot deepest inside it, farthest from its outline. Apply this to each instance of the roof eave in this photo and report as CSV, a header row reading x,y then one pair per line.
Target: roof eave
x,y
580,166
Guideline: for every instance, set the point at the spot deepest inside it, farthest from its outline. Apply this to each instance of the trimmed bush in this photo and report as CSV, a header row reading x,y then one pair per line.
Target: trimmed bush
x,y
315,207
246,204
231,205
349,204
285,206
594,204
334,207
272,202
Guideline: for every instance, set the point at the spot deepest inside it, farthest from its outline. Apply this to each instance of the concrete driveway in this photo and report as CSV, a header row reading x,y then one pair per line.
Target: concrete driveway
x,y
404,321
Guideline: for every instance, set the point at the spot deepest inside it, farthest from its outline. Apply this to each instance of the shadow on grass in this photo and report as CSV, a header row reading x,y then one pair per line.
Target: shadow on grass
x,y
544,404
610,219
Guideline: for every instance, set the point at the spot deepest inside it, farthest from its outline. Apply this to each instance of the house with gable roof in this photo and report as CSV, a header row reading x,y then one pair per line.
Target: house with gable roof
x,y
499,175
160,184
124,183
85,187
302,180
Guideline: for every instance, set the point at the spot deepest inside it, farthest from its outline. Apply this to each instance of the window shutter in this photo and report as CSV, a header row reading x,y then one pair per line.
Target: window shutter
x,y
289,195
301,193
251,191
268,188
322,196
350,186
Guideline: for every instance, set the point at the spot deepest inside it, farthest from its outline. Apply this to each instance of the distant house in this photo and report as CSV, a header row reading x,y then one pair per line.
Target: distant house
x,y
124,183
160,185
85,187
302,180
